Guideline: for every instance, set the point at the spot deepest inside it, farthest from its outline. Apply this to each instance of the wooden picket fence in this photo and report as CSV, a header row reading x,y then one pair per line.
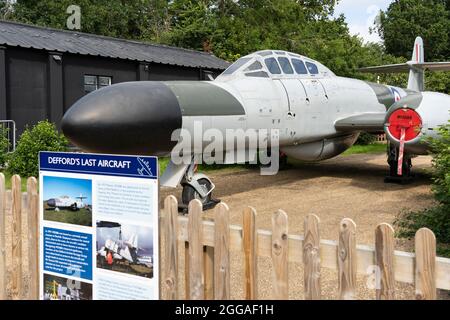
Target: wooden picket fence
x,y
19,221
208,245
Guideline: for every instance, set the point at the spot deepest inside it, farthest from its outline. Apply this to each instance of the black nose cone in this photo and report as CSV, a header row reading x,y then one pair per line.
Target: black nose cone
x,y
126,118
51,202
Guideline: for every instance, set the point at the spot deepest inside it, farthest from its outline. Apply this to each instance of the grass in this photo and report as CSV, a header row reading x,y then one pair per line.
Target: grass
x,y
82,217
164,162
368,149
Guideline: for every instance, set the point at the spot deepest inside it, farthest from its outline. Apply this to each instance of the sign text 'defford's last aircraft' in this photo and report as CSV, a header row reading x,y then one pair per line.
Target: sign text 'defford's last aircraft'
x,y
318,115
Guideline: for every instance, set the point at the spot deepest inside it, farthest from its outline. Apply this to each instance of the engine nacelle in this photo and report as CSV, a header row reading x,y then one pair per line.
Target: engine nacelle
x,y
419,115
321,150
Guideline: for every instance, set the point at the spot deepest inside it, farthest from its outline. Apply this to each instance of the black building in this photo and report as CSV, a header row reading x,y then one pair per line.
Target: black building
x,y
44,71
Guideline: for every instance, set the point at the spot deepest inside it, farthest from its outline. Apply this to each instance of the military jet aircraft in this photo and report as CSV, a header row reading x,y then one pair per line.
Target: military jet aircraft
x,y
66,202
318,114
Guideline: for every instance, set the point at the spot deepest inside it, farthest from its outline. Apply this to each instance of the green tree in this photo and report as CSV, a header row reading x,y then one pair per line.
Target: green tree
x,y
6,7
4,145
138,19
404,20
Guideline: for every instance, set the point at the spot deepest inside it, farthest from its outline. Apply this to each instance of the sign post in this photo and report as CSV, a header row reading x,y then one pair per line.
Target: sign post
x,y
99,227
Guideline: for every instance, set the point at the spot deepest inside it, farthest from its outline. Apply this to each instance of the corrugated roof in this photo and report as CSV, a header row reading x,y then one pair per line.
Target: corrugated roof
x,y
29,36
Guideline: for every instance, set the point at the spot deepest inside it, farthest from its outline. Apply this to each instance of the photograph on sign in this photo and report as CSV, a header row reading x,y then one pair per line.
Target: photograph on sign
x,y
125,248
60,288
68,200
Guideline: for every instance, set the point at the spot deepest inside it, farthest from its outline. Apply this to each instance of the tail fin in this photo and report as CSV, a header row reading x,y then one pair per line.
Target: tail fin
x,y
416,79
416,67
133,241
418,53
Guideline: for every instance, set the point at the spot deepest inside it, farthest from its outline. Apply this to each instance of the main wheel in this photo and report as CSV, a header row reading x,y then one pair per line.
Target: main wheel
x,y
189,193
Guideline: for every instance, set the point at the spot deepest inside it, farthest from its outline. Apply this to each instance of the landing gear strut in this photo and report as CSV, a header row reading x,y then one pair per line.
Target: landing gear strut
x,y
393,161
197,186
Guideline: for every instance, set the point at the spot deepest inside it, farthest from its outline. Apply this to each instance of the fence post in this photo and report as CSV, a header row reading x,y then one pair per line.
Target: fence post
x,y
16,209
171,246
196,263
425,243
208,260
347,260
2,238
222,252
33,237
311,258
280,254
250,241
384,257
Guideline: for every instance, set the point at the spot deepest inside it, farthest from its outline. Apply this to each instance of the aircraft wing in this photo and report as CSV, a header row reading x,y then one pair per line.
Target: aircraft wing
x,y
406,67
434,66
390,68
369,122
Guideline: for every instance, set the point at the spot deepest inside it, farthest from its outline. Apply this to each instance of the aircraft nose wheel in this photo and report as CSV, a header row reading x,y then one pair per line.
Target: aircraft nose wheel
x,y
189,193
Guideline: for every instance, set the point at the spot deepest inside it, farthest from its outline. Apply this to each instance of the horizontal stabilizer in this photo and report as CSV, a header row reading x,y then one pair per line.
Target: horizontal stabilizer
x,y
369,122
406,67
416,67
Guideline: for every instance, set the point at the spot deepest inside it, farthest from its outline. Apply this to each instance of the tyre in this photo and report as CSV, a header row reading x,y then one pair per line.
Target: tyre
x,y
190,194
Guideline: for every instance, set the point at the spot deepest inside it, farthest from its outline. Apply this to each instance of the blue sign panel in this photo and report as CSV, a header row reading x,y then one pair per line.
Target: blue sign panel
x,y
67,252
111,165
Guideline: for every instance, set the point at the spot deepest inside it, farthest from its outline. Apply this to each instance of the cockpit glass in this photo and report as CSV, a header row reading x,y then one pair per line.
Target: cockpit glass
x,y
265,53
257,74
299,66
285,65
272,65
231,69
312,68
254,66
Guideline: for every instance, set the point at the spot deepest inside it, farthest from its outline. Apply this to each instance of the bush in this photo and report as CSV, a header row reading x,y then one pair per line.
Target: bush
x,y
4,144
365,139
436,218
42,137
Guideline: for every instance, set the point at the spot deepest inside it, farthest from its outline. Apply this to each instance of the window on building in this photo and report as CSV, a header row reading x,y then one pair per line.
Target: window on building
x,y
312,68
92,83
272,65
285,65
299,66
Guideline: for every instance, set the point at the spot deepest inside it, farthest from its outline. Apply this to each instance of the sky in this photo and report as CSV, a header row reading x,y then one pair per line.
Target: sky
x,y
56,187
144,236
360,15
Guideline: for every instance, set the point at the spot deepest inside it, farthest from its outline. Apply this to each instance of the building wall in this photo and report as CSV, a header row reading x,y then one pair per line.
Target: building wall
x,y
43,85
167,72
26,86
76,67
